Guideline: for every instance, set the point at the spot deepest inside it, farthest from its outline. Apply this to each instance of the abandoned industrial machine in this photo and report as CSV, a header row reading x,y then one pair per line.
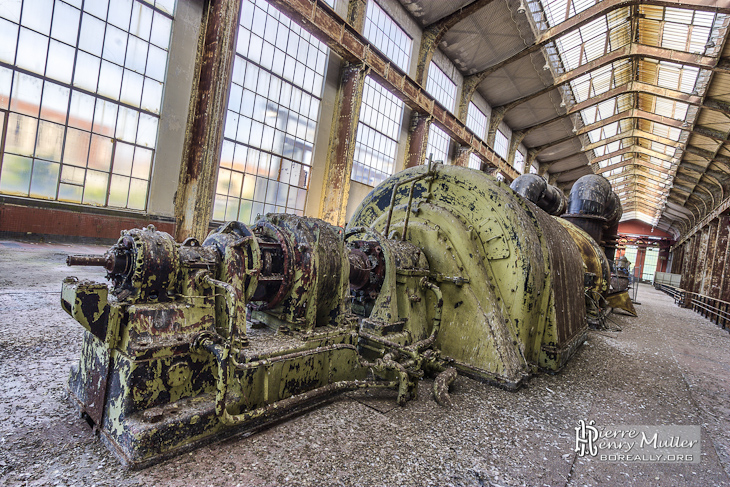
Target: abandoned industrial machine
x,y
442,271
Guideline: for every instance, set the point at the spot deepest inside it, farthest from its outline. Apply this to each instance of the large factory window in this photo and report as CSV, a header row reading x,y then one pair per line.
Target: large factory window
x,y
501,144
443,90
386,35
519,162
475,162
271,122
438,145
441,87
650,263
377,134
381,113
80,94
476,121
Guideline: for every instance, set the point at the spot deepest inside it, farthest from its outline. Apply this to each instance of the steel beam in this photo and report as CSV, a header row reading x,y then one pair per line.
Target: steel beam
x,y
462,156
635,50
204,134
629,51
632,113
721,276
472,81
341,147
417,139
635,149
633,133
644,185
705,154
317,18
514,144
630,87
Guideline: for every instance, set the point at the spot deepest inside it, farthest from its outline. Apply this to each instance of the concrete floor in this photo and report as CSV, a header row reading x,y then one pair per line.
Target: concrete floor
x,y
668,366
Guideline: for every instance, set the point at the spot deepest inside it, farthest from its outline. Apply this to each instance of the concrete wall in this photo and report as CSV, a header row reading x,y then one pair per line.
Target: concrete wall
x,y
175,105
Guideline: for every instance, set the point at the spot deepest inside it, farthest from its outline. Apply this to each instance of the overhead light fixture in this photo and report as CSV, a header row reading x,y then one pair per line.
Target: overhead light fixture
x,y
575,130
547,66
521,9
562,103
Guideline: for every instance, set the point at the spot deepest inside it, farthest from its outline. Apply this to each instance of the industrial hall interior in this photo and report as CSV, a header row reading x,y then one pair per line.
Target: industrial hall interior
x,y
364,242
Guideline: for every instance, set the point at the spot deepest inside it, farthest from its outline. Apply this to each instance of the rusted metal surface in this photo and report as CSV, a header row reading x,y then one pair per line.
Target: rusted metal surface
x,y
204,134
621,301
87,260
341,150
462,156
356,10
709,260
689,278
417,139
441,386
700,261
566,265
443,270
721,273
536,189
319,19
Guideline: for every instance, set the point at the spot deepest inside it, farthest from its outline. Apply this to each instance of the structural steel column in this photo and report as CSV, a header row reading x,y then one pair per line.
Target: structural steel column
x,y
517,138
688,248
725,279
196,186
495,120
702,263
718,267
341,148
709,259
677,261
417,139
356,10
463,153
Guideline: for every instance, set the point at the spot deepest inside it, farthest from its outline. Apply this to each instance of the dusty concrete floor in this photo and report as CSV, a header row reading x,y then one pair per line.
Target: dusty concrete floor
x,y
669,366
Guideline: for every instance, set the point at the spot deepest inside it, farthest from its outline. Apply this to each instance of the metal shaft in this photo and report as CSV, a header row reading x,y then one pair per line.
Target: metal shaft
x,y
90,260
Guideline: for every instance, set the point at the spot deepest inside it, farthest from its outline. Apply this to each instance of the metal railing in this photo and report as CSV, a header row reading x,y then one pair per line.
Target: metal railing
x,y
714,309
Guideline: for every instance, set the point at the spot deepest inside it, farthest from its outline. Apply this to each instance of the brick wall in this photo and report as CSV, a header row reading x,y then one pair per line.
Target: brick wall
x,y
17,220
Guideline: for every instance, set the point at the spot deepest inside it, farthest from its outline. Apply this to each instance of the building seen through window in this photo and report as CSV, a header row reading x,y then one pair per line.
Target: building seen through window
x,y
80,96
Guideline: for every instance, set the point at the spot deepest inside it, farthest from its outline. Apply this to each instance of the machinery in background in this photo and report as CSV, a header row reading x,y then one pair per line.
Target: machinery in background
x,y
442,270
591,215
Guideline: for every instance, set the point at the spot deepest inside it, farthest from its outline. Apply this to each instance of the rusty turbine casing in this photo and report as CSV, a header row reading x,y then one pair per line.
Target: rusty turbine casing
x,y
442,270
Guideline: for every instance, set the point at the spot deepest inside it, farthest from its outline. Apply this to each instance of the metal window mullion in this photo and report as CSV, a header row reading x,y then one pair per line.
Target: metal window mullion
x,y
156,9
568,4
6,117
318,97
109,182
72,87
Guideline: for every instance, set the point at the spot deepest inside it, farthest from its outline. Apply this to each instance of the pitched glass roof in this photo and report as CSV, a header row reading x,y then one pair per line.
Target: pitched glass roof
x,y
651,147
